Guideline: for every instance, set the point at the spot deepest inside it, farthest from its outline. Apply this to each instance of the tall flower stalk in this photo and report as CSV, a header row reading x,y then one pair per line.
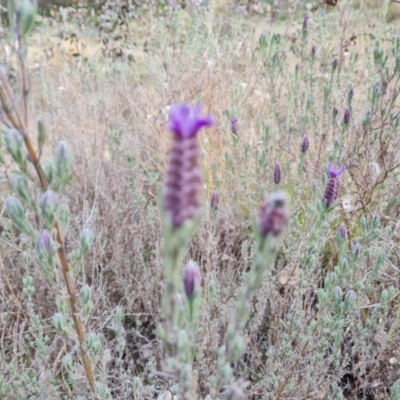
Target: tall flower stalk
x,y
272,220
181,203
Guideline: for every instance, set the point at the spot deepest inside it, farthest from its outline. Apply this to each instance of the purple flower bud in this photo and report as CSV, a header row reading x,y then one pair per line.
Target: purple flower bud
x,y
191,279
346,116
49,202
15,146
334,64
63,160
305,20
350,94
214,201
332,187
313,50
376,221
341,232
183,174
234,127
274,215
49,207
43,243
14,209
335,112
85,241
304,144
45,250
20,186
277,173
356,248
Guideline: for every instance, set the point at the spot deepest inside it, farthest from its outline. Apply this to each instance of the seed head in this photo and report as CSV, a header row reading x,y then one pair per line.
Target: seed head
x,y
334,64
335,112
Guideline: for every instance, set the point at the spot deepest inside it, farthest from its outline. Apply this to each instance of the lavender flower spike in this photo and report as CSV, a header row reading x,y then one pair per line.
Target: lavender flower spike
x,y
304,144
332,187
305,20
277,173
346,116
313,50
341,232
214,201
274,215
183,174
234,126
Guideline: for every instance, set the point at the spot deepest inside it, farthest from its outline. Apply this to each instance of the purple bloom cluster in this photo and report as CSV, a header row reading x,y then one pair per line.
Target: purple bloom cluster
x,y
332,187
183,174
274,215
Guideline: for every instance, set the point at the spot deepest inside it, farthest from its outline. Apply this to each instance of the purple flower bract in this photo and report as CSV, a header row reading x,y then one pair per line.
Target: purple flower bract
x,y
186,123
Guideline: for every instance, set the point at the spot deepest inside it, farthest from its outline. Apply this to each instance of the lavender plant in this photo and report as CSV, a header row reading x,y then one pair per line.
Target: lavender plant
x,y
323,324
48,233
181,205
272,220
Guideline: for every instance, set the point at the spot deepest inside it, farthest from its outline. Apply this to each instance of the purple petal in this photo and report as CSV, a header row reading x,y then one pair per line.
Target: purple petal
x,y
186,123
333,173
